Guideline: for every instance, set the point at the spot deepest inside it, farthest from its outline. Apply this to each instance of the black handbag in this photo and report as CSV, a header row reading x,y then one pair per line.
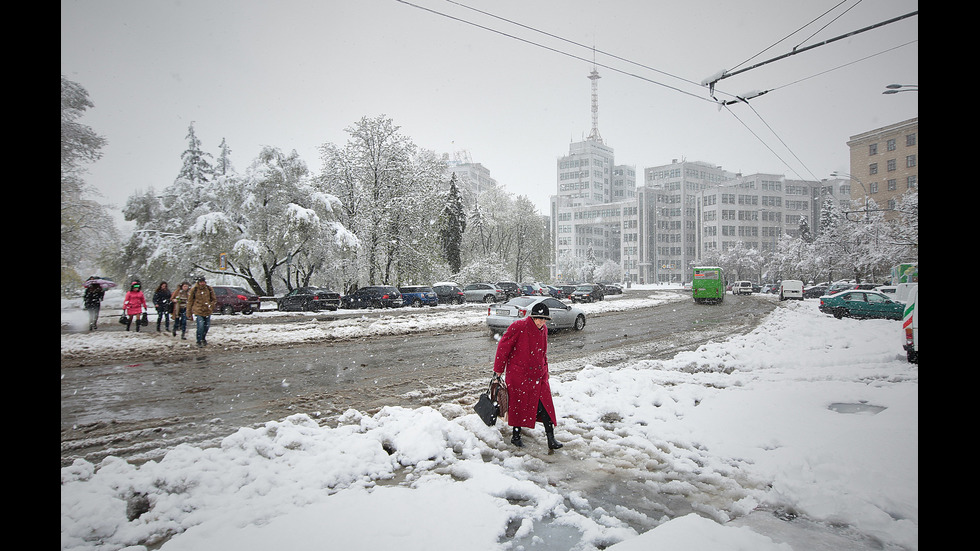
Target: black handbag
x,y
488,405
144,321
124,319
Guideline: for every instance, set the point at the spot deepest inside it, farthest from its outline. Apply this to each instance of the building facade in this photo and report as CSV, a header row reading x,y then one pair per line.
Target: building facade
x,y
885,164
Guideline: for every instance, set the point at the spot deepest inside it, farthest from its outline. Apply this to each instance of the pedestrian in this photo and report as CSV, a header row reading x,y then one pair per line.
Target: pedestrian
x,y
522,357
134,305
92,301
179,301
200,306
161,301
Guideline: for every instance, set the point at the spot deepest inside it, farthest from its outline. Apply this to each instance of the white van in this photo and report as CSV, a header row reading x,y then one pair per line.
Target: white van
x,y
742,288
791,288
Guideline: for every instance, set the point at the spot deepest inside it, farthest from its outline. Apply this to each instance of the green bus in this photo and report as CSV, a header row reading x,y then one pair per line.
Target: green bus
x,y
708,284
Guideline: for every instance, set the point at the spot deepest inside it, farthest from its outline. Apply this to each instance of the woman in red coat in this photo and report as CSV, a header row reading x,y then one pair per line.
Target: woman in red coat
x,y
522,356
134,304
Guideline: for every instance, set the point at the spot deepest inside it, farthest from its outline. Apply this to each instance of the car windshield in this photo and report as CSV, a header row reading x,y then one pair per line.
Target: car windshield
x,y
584,288
522,301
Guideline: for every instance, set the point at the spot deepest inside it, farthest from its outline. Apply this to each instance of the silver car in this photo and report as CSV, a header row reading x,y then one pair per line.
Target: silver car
x,y
484,292
563,316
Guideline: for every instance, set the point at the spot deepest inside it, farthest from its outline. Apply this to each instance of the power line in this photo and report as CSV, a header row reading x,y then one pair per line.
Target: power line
x,y
555,50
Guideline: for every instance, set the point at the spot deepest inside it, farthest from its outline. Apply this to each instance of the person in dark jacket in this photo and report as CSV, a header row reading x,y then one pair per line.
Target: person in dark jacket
x,y
92,301
522,357
161,301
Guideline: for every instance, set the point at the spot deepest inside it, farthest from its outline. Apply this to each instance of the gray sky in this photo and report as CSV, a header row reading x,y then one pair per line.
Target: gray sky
x,y
295,73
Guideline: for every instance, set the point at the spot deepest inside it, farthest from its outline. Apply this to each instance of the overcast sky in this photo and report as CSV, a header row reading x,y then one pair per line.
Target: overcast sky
x,y
294,74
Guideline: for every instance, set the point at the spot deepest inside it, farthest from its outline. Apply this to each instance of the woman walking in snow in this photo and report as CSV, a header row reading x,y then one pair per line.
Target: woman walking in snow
x,y
134,304
522,356
161,301
179,301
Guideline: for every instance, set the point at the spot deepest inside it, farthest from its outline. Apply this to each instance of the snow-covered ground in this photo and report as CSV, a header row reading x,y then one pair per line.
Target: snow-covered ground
x,y
808,415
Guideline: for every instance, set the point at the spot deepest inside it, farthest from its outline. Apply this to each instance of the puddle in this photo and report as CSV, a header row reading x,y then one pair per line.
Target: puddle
x,y
860,407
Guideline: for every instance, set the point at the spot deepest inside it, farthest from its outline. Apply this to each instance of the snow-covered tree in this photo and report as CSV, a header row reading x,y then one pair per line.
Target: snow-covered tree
x,y
452,225
86,227
387,188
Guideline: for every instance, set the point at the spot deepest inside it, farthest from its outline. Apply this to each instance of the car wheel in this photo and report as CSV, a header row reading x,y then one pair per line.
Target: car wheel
x,y
840,313
488,299
247,311
580,322
417,303
227,310
377,304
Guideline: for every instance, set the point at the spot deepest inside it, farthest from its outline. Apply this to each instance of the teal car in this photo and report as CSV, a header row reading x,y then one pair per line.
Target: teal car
x,y
859,303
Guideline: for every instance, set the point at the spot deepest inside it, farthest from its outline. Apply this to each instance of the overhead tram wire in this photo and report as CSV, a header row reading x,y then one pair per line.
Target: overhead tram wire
x,y
593,48
555,50
726,74
771,46
627,73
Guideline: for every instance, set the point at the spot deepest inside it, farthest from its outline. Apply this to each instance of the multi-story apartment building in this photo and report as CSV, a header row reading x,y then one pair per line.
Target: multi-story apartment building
x,y
684,211
885,164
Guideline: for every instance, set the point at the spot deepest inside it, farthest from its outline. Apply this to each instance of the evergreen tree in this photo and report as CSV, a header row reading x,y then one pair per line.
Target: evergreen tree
x,y
452,225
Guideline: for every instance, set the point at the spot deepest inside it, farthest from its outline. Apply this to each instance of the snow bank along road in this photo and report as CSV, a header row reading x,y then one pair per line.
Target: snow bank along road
x,y
141,406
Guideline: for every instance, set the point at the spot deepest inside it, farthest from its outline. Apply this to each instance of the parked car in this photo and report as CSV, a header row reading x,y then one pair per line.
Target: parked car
x,y
587,292
612,289
861,303
770,288
567,290
484,292
511,288
375,296
756,288
742,288
553,292
791,288
887,289
309,299
449,293
563,316
533,289
235,299
816,291
419,295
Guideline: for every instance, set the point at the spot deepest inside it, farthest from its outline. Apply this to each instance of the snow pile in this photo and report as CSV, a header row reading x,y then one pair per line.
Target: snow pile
x,y
752,423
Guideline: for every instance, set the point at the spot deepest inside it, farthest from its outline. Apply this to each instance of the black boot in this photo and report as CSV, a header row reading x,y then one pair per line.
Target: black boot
x,y
516,438
550,432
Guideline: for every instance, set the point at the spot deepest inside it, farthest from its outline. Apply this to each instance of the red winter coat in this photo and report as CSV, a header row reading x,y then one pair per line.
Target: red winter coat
x,y
522,355
134,303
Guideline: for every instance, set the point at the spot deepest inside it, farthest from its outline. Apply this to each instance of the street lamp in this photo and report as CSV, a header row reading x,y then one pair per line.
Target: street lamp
x,y
896,88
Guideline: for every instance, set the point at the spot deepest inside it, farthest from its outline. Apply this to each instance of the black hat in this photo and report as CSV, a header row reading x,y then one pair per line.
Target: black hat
x,y
540,310
201,278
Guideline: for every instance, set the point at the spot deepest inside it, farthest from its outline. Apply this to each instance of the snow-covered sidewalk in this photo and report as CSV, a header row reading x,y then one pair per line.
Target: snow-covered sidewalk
x,y
808,415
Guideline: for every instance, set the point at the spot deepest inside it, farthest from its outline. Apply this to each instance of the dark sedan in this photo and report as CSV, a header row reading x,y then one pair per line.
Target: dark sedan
x,y
309,299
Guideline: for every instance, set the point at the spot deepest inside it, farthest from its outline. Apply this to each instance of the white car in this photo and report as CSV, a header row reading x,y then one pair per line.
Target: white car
x,y
742,288
563,316
791,288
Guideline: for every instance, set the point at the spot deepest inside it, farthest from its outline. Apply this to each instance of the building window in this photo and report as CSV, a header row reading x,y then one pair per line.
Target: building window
x,y
910,161
891,165
890,144
873,149
911,182
873,168
909,140
892,185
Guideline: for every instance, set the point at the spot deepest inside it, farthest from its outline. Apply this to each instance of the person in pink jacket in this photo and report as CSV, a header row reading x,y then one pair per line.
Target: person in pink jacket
x,y
134,304
522,356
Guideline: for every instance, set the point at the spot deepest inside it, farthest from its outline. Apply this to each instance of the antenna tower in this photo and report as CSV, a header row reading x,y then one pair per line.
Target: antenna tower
x,y
594,77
